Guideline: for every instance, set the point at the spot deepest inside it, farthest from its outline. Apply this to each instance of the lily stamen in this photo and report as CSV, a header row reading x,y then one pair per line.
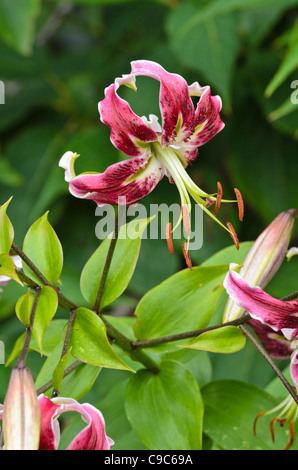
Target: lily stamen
x,y
292,435
186,221
169,238
233,234
240,204
218,198
186,256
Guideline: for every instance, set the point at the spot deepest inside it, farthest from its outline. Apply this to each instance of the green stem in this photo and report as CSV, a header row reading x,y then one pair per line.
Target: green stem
x,y
119,338
266,356
66,372
188,334
55,392
22,358
107,265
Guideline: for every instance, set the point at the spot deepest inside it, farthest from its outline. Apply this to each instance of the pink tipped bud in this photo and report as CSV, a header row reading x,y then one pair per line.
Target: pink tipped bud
x,y
265,257
21,412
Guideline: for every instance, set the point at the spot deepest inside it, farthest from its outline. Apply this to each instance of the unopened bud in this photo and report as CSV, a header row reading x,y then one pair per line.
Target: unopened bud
x,y
265,257
21,412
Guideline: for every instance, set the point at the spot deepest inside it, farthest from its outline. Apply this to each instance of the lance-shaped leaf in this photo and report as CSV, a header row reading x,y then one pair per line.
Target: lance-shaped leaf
x,y
122,266
89,342
75,384
288,65
183,302
46,308
6,230
53,336
166,409
43,248
228,339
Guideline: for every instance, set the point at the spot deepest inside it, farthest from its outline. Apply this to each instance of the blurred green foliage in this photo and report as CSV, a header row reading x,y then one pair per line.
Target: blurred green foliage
x,y
56,59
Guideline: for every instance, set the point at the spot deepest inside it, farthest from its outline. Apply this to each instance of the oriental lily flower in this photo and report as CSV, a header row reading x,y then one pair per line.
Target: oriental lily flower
x,y
155,149
92,437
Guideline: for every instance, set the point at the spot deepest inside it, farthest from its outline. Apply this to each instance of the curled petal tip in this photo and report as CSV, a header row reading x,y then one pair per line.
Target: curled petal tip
x,y
67,163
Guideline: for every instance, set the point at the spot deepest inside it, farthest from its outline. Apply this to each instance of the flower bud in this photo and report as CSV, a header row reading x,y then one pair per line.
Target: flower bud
x,y
21,412
265,257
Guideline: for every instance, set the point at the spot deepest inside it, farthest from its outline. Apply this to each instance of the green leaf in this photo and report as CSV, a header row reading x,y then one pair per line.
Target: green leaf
x,y
6,230
288,65
183,302
59,371
7,268
229,255
43,248
74,385
207,43
53,337
122,266
46,308
166,409
231,407
89,341
23,308
17,23
226,340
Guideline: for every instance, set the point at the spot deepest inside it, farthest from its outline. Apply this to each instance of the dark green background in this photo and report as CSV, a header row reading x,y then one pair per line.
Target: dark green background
x,y
57,57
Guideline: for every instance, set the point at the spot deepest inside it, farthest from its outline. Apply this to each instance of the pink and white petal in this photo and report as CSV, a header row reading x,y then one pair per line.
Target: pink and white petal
x,y
294,368
275,313
274,342
176,106
290,333
49,429
128,181
207,119
127,129
186,153
93,436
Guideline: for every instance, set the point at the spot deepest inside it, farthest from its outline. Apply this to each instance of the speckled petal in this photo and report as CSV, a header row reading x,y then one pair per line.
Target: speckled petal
x,y
176,105
129,133
207,119
273,341
129,180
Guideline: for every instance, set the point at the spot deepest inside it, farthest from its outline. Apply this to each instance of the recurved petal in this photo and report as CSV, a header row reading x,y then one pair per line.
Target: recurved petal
x,y
129,132
294,368
49,429
207,119
128,181
275,313
176,105
93,436
273,341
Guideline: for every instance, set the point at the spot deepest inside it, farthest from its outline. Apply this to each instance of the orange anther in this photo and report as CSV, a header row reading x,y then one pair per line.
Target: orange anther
x,y
240,204
169,238
185,218
271,426
233,234
292,434
256,420
218,198
186,256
